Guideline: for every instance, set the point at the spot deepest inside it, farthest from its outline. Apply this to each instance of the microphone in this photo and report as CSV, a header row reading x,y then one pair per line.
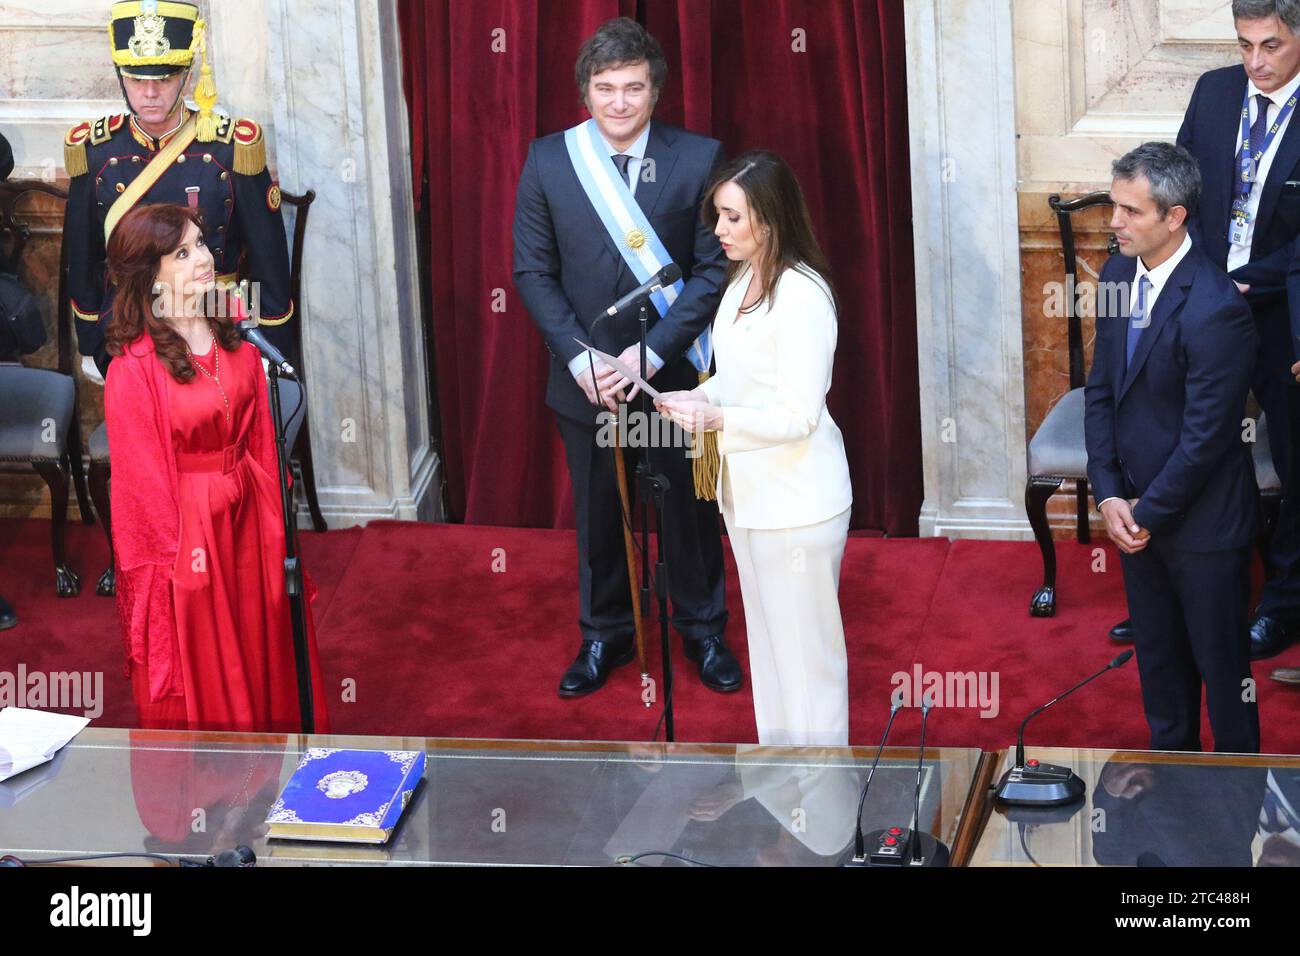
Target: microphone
x,y
859,846
1029,783
895,846
241,856
664,277
249,332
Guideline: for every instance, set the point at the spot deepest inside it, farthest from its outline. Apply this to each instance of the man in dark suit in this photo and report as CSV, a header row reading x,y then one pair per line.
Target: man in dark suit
x,y
1248,227
569,268
1174,354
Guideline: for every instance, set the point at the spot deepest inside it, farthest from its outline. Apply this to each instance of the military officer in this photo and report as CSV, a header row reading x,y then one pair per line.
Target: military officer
x,y
163,150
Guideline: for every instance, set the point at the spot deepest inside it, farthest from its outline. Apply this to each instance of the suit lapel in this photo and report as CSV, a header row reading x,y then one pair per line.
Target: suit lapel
x,y
1171,299
1284,160
1221,167
659,149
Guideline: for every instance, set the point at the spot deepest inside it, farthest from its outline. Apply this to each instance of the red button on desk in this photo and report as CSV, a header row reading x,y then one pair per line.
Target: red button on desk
x,y
1031,763
890,841
895,830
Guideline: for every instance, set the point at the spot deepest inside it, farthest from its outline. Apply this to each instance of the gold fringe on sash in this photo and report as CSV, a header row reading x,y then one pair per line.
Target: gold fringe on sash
x,y
706,462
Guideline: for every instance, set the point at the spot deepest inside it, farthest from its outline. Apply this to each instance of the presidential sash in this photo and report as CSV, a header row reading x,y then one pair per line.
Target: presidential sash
x,y
627,225
149,175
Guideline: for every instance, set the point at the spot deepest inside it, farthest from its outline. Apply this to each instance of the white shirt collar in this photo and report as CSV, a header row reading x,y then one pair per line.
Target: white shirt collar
x,y
636,150
1277,97
1161,273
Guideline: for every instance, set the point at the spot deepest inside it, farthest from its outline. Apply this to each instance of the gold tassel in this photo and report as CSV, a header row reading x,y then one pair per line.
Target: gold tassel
x,y
250,158
205,94
706,462
74,159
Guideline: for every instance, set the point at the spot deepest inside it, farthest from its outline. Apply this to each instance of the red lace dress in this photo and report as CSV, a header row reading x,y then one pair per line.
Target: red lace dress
x,y
225,660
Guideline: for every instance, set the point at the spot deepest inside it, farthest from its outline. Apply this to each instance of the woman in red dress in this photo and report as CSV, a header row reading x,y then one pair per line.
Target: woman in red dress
x,y
198,537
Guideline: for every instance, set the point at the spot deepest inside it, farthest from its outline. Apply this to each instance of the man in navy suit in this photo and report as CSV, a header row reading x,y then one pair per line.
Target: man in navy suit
x,y
569,269
1247,222
1172,364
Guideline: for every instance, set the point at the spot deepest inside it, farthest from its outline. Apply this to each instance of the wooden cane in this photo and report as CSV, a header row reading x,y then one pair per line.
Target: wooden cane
x,y
630,547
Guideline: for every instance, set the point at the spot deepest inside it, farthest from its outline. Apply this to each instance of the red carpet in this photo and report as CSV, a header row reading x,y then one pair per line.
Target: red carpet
x,y
463,632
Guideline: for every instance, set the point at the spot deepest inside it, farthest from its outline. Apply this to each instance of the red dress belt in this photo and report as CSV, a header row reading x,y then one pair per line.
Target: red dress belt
x,y
223,461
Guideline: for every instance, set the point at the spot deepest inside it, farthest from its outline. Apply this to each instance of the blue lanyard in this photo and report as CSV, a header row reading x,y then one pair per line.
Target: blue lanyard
x,y
1248,158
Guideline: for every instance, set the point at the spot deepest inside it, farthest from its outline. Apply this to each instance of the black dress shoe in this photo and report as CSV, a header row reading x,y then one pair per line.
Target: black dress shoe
x,y
8,618
1269,637
719,669
1122,633
592,666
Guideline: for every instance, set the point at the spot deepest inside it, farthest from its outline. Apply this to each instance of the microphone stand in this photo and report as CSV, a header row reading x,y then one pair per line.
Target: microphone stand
x,y
654,485
293,574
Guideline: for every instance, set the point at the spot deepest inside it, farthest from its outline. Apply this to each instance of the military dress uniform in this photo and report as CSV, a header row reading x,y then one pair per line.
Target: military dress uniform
x,y
219,171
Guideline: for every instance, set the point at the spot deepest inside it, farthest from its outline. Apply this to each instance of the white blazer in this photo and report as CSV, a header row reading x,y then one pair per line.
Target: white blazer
x,y
782,453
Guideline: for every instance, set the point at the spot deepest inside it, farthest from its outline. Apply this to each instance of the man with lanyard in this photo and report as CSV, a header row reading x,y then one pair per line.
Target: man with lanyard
x,y
1240,127
600,209
163,151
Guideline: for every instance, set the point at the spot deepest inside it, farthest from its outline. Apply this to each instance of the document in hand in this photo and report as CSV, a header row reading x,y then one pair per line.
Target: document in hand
x,y
29,738
620,367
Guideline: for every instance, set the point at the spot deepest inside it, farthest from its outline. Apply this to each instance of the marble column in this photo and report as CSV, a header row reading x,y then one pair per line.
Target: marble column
x,y
961,105
325,77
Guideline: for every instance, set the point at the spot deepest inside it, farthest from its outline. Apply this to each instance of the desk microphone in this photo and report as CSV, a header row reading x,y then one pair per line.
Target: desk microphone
x,y
859,845
899,847
1034,784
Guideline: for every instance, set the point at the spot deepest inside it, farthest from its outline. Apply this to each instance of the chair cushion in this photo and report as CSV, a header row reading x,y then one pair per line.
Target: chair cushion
x,y
1265,473
29,399
1058,448
97,445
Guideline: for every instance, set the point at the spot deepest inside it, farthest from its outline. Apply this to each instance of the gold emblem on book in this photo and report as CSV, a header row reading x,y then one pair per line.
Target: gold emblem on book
x,y
149,39
635,239
342,783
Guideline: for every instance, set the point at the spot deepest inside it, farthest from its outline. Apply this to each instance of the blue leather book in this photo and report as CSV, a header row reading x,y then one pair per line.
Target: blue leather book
x,y
346,796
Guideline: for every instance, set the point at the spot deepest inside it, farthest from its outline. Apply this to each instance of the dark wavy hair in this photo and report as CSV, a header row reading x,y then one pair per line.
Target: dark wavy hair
x,y
135,253
620,42
775,201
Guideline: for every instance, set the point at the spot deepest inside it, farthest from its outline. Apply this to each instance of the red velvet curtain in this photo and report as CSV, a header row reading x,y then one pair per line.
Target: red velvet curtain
x,y
822,82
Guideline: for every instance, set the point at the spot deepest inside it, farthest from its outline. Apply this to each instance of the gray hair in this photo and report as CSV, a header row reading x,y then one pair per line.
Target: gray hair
x,y
1288,11
1172,171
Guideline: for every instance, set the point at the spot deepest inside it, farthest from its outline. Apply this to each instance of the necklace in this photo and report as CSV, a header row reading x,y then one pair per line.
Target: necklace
x,y
215,374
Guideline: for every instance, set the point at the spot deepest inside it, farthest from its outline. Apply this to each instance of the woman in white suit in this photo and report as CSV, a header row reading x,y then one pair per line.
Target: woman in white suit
x,y
783,484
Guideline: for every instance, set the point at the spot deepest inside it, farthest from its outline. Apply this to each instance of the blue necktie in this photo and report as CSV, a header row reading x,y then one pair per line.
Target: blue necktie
x,y
622,159
1258,129
1138,318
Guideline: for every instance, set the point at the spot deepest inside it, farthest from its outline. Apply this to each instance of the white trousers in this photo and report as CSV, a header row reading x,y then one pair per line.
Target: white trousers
x,y
798,666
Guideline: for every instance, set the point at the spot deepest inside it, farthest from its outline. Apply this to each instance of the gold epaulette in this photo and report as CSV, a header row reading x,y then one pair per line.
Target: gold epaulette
x,y
74,150
250,148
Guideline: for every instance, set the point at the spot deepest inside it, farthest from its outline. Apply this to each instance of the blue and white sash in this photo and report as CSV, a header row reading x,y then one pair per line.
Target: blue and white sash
x,y
626,224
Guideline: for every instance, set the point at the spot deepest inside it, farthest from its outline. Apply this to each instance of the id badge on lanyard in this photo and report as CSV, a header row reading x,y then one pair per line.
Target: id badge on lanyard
x,y
1248,165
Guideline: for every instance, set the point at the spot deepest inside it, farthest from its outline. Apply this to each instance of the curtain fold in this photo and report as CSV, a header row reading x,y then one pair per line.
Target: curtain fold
x,y
822,82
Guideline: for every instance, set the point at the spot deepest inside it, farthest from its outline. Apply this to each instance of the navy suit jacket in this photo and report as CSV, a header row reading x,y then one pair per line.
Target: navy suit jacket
x,y
1166,429
568,270
1211,131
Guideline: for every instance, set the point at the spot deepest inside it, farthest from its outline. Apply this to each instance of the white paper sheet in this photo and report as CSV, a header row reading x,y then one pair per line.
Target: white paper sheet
x,y
621,368
29,738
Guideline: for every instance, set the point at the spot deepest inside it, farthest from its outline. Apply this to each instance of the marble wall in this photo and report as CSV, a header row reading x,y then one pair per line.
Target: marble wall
x,y
324,79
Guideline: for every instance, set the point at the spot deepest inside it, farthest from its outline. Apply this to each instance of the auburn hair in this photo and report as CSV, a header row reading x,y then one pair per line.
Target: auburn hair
x,y
135,252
